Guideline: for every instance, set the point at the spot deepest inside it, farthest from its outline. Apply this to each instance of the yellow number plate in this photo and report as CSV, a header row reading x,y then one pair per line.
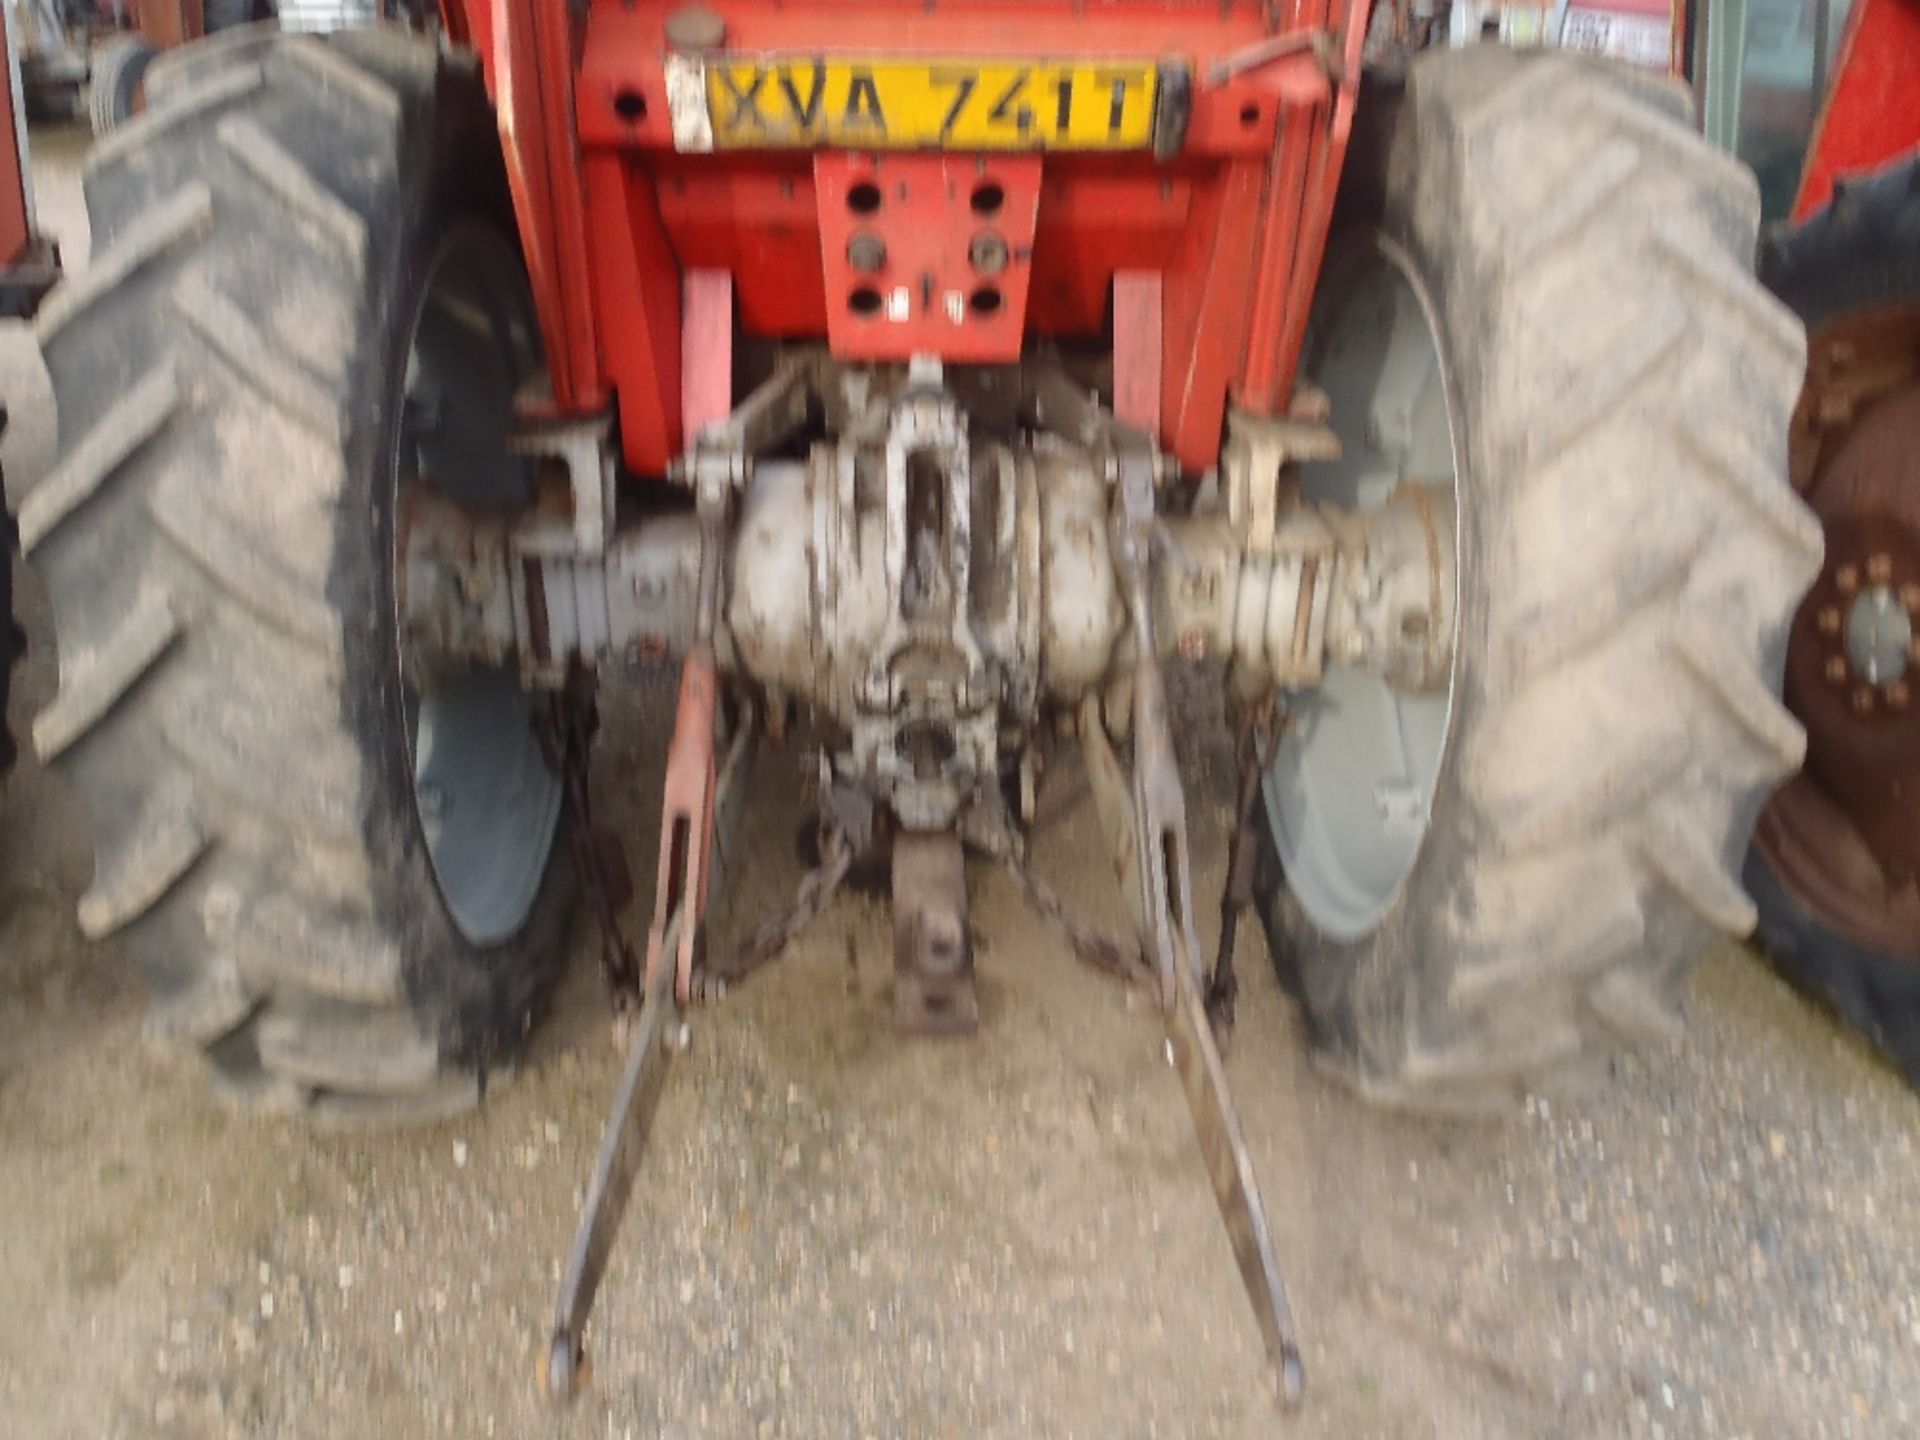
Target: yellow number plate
x,y
784,102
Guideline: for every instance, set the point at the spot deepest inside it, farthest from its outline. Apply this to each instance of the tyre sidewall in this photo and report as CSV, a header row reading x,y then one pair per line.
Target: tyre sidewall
x,y
470,997
1357,992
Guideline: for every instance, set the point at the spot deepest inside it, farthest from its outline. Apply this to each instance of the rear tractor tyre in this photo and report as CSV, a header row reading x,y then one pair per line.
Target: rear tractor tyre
x,y
1835,864
342,883
1542,308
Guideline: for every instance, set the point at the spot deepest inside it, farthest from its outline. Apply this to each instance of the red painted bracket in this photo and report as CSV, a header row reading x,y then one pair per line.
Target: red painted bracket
x,y
1137,356
927,254
706,351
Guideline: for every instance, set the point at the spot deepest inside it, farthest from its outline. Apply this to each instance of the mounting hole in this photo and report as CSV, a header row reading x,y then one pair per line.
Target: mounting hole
x,y
630,105
865,302
863,198
1250,114
988,198
985,301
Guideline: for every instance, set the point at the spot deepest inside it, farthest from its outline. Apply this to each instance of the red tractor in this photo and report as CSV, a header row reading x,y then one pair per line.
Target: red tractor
x,y
923,378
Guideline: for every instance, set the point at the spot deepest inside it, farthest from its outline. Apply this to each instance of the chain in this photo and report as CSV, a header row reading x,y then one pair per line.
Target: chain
x,y
814,893
1258,742
566,737
1108,956
566,732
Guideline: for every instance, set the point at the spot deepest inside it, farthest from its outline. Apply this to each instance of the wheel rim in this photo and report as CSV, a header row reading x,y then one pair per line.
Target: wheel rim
x,y
1840,836
487,801
1350,792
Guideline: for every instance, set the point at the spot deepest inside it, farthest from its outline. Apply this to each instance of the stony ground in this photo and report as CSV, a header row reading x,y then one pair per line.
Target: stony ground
x,y
843,1233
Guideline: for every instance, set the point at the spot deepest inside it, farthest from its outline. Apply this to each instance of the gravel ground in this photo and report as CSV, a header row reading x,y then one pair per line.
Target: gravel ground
x,y
840,1232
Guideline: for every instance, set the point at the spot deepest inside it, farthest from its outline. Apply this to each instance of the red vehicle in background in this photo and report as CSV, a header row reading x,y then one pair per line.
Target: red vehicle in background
x,y
1835,867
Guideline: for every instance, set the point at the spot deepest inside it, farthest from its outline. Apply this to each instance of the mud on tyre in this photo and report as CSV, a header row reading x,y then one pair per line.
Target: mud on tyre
x,y
236,375
1614,391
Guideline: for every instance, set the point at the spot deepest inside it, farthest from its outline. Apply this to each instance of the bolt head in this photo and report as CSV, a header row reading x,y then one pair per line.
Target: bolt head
x,y
1846,578
1828,620
988,253
1880,568
1862,700
1836,669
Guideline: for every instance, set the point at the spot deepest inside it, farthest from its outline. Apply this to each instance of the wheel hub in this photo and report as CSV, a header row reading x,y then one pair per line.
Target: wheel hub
x,y
1879,637
1857,630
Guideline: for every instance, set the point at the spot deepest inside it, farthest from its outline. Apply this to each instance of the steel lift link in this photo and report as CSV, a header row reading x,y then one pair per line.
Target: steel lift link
x,y
699,805
687,804
1167,928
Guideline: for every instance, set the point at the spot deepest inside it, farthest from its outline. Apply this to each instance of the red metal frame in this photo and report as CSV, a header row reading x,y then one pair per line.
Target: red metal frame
x,y
1233,226
1871,112
706,351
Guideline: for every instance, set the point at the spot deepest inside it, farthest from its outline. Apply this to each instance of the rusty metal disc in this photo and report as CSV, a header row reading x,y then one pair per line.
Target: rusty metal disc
x,y
1844,835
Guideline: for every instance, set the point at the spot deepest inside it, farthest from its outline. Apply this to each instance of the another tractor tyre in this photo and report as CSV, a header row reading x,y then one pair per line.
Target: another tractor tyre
x,y
344,890
1542,313
118,72
1835,864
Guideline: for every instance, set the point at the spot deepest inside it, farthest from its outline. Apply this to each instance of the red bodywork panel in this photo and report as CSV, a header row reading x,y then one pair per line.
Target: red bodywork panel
x,y
16,214
1232,225
1872,109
